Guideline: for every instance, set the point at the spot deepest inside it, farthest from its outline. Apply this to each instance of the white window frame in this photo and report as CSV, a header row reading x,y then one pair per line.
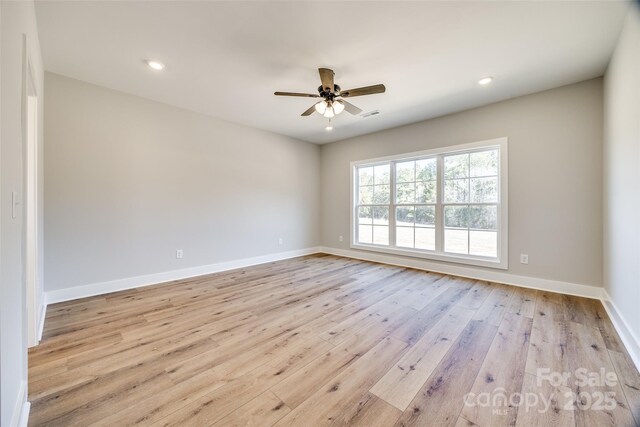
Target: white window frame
x,y
502,259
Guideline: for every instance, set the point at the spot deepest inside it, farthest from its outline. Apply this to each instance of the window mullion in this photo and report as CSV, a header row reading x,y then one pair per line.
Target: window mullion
x,y
392,204
468,206
439,204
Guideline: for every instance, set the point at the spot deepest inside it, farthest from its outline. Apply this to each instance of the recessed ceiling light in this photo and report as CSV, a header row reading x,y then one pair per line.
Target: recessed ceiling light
x,y
156,65
485,80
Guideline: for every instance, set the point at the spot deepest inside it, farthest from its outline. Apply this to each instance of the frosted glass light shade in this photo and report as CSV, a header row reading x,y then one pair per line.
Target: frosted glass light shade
x,y
321,107
329,112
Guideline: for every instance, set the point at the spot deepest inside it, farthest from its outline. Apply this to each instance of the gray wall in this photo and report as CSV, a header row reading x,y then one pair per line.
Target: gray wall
x,y
555,175
129,181
622,174
17,18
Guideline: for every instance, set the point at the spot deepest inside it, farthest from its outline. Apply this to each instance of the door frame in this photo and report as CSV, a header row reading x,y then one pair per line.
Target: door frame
x,y
30,190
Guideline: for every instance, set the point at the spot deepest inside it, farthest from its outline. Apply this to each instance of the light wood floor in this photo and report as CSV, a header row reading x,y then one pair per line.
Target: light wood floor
x,y
323,340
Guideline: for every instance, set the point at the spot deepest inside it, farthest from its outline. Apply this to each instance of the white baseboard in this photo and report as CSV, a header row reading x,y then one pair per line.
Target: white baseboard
x,y
472,273
24,414
21,409
628,337
77,292
43,315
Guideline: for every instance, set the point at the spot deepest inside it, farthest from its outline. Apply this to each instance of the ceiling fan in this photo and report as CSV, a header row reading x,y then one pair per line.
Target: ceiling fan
x,y
333,102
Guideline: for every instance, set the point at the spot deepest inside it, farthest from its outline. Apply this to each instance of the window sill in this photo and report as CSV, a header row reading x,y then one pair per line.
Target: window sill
x,y
458,259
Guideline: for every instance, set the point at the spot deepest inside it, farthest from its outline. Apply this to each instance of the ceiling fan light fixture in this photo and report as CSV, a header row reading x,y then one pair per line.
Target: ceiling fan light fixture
x,y
321,107
338,107
329,112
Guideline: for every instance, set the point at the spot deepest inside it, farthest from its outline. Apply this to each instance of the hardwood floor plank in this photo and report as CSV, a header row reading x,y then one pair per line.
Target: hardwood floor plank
x,y
440,399
501,372
586,350
629,378
336,401
476,295
576,309
550,406
86,401
212,407
426,318
494,307
603,323
463,422
302,384
370,411
403,381
548,348
523,302
264,410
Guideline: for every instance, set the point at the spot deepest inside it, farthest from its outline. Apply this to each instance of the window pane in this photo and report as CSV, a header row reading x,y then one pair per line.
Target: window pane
x,y
456,241
404,237
365,234
364,215
365,195
456,216
405,193
456,191
484,163
426,170
425,216
483,243
381,174
380,215
405,216
426,238
456,166
484,190
380,194
365,176
426,192
483,217
380,235
405,172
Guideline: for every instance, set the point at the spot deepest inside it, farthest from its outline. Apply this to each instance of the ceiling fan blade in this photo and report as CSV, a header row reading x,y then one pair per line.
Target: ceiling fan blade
x,y
326,77
306,95
310,111
367,90
350,108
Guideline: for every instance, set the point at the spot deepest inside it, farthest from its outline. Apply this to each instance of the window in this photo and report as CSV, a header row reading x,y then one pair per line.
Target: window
x,y
445,204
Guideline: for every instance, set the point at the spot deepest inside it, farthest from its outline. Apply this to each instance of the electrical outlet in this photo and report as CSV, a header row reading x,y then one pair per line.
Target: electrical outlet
x,y
524,259
280,241
179,253
340,238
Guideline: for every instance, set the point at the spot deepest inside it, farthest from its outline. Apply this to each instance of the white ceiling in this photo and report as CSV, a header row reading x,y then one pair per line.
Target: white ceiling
x,y
226,59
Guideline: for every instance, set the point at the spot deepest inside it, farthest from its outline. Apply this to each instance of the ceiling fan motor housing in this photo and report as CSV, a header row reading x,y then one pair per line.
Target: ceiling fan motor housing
x,y
329,96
